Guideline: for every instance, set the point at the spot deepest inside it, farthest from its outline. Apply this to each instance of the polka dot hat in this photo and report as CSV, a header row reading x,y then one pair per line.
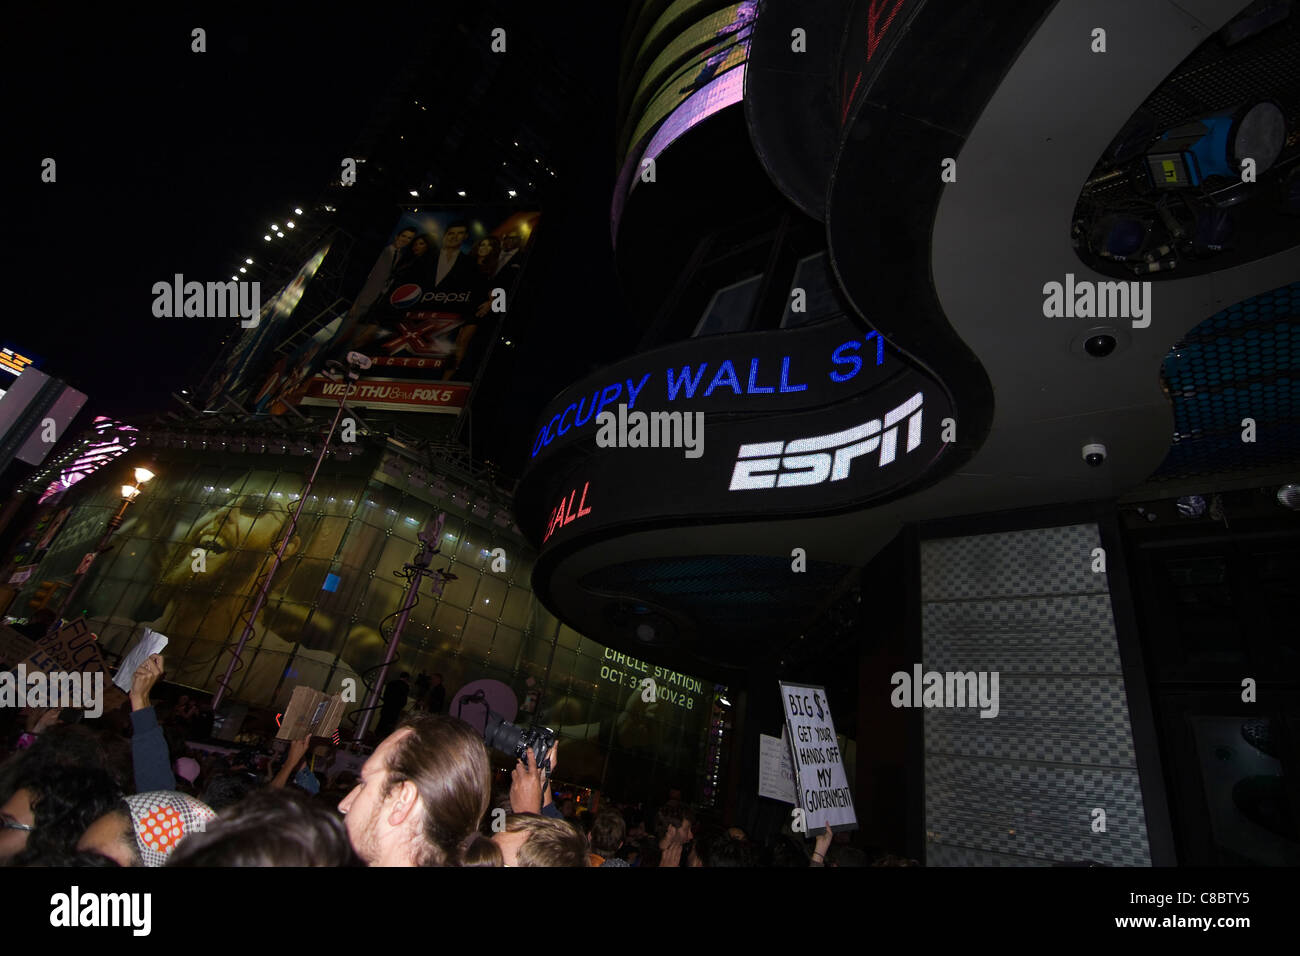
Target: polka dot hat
x,y
162,818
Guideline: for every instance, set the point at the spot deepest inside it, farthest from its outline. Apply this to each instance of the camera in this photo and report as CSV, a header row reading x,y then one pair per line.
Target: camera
x,y
517,741
1094,454
1099,346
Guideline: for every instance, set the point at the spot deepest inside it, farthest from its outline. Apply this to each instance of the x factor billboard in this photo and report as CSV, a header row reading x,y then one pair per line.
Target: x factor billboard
x,y
426,314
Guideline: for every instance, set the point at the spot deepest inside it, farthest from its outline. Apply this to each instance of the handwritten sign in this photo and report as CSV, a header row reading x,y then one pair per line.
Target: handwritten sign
x,y
74,648
822,783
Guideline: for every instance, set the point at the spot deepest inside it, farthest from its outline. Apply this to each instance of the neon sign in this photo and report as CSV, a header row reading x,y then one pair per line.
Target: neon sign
x,y
564,513
720,379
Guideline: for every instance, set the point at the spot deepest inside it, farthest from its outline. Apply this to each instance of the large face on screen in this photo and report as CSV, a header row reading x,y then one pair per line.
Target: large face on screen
x,y
237,538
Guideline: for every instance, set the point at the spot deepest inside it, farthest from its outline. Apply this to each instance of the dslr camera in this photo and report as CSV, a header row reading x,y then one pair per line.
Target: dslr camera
x,y
515,740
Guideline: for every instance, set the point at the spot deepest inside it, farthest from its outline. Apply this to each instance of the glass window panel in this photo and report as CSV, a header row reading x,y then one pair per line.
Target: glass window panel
x,y
569,638
448,625
490,598
472,548
517,608
505,646
730,309
461,591
477,641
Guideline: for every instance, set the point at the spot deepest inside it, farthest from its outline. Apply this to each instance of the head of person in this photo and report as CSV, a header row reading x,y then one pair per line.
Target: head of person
x,y
237,539
531,840
726,851
145,828
487,250
511,242
569,809
421,795
269,828
226,789
673,824
455,235
421,244
403,237
60,803
436,679
607,832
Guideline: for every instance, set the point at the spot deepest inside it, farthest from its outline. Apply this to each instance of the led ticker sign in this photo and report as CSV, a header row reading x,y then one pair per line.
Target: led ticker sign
x,y
564,513
876,444
753,372
13,362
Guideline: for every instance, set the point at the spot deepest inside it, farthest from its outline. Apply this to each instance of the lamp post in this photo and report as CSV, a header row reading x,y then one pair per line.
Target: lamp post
x,y
129,494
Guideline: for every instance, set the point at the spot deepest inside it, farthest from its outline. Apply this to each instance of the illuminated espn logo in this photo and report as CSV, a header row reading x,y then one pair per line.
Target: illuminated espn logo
x,y
812,461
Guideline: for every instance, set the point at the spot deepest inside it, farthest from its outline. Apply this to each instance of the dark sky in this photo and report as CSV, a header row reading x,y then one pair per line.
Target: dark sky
x,y
171,161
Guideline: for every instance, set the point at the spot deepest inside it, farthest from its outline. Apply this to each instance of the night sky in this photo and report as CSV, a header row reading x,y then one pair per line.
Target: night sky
x,y
171,161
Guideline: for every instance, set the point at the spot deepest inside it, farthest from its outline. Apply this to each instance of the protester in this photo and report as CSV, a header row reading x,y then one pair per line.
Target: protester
x,y
606,837
146,827
530,840
50,809
422,795
269,828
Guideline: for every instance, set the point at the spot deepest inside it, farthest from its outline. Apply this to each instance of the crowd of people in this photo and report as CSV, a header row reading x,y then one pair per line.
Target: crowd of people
x,y
116,795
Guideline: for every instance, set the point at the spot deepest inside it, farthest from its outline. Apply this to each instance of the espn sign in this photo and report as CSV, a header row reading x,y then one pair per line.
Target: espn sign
x,y
812,461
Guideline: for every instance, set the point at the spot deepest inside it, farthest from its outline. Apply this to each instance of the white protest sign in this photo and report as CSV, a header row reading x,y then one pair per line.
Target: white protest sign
x,y
822,784
775,772
151,642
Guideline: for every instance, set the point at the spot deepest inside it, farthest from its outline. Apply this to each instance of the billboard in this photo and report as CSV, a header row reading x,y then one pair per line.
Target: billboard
x,y
191,556
242,359
425,315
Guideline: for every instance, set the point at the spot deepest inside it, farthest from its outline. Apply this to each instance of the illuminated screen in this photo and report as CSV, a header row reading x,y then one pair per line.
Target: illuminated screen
x,y
673,14
724,38
111,441
815,419
13,362
727,90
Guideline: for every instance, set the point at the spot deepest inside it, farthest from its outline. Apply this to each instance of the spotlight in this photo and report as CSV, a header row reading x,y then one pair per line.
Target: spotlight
x,y
297,212
1215,145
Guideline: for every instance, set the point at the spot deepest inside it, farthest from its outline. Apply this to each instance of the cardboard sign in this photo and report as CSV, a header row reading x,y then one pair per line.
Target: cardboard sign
x,y
74,648
821,782
310,713
775,772
22,574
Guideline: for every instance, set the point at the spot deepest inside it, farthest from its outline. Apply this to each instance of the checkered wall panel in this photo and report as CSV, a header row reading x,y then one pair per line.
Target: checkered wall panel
x,y
1018,789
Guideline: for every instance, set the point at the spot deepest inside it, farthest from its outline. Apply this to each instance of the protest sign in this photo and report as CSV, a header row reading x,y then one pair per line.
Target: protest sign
x,y
821,782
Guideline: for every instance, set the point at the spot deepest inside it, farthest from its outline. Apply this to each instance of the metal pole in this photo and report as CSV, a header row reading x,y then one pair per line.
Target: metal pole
x,y
224,683
420,569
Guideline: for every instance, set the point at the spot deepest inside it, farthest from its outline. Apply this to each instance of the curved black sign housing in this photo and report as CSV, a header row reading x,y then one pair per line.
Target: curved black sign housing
x,y
734,427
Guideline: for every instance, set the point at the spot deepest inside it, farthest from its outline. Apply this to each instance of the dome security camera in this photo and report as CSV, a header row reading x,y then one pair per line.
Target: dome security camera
x,y
1094,453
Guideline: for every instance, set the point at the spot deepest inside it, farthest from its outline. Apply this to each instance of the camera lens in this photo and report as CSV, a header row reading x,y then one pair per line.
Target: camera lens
x,y
1099,346
1095,459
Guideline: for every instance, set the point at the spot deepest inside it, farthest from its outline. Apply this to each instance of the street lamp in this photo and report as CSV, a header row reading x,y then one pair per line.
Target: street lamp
x,y
129,494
